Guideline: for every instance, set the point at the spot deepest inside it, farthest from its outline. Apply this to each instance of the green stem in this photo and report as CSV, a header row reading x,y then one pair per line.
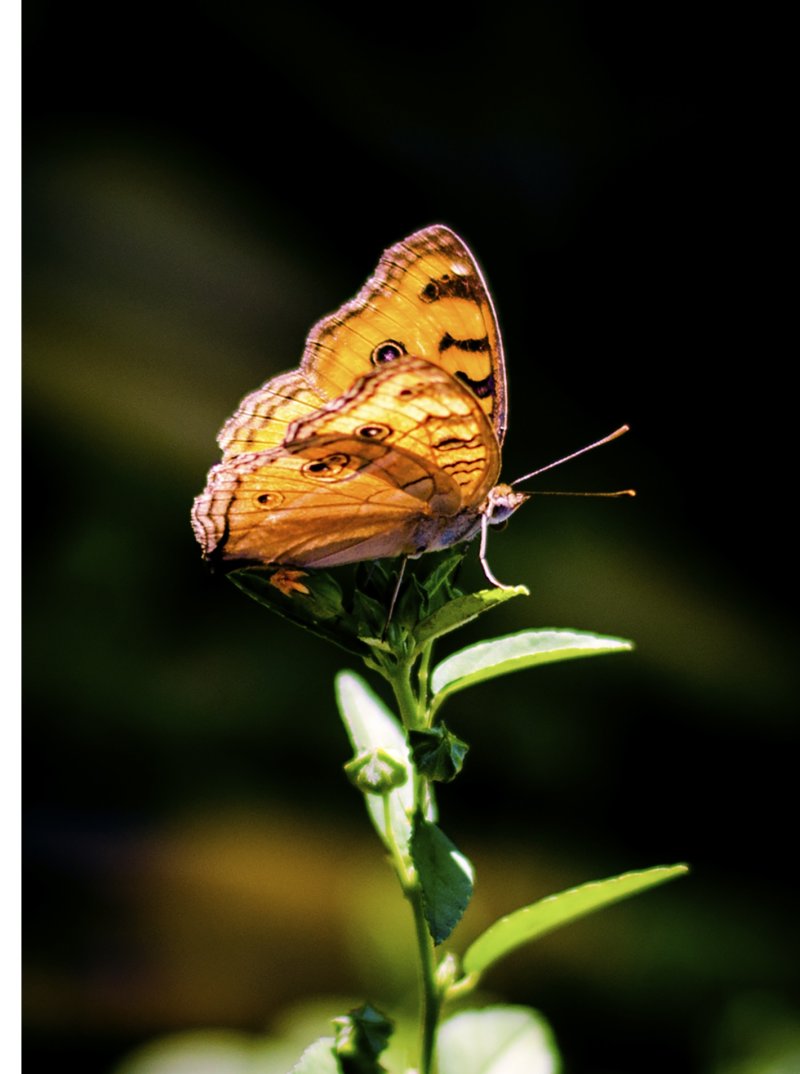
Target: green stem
x,y
412,711
430,1000
422,679
407,701
429,995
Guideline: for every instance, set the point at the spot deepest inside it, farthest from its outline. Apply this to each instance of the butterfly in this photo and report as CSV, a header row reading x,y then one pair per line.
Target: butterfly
x,y
386,441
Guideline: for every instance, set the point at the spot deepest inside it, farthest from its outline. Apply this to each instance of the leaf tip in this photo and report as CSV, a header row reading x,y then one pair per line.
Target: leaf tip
x,y
344,680
680,869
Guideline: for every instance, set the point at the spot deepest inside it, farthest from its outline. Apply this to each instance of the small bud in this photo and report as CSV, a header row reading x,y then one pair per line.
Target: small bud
x,y
447,972
361,1036
377,771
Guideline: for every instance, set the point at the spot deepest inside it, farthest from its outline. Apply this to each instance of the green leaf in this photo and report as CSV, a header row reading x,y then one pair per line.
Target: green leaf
x,y
462,610
528,648
314,603
531,922
369,613
445,875
410,602
497,1040
318,1058
439,581
437,753
371,726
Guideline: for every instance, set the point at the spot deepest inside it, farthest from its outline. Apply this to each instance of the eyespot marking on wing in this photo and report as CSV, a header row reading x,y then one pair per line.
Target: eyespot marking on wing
x,y
456,286
327,468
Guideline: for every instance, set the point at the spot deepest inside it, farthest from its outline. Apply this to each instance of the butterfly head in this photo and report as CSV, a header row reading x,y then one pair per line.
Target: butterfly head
x,y
501,503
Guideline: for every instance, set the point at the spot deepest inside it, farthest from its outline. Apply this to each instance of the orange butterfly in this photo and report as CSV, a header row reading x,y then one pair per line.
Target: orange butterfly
x,y
386,441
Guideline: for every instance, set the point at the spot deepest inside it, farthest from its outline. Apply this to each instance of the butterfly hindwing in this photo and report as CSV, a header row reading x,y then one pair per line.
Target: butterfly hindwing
x,y
420,409
362,478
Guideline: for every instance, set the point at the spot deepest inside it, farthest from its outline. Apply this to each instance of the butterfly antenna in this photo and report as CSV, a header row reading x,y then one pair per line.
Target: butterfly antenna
x,y
581,451
617,492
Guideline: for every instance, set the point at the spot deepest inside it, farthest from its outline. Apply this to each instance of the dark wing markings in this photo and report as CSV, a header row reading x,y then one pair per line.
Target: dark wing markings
x,y
471,345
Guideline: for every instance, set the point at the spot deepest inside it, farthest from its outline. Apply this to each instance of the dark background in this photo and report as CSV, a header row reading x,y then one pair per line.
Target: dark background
x,y
201,184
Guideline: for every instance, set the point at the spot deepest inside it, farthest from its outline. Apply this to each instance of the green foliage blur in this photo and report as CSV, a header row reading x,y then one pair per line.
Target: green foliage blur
x,y
203,183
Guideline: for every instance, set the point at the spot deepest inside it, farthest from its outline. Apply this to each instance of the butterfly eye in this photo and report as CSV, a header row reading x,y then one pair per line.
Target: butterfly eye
x,y
374,432
387,351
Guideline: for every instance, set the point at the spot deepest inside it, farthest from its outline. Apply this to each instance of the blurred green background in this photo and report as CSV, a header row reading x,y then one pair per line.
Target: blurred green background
x,y
201,184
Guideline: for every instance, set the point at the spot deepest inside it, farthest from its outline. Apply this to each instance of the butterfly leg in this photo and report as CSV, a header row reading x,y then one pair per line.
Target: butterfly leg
x,y
394,596
482,555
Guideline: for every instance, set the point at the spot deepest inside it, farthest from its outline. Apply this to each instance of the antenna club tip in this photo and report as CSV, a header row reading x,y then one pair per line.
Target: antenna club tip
x,y
628,492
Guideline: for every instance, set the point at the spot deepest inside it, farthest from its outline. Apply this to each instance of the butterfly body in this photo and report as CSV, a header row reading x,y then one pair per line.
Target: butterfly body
x,y
437,533
386,441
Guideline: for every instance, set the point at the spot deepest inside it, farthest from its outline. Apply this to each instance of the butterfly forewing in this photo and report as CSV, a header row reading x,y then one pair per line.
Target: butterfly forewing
x,y
263,417
427,298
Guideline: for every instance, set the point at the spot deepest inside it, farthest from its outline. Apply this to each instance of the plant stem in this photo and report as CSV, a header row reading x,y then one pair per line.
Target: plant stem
x,y
430,1000
412,711
422,678
407,700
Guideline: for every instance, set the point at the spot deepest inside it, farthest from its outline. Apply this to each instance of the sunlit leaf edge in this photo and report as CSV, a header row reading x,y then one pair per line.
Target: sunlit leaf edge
x,y
530,922
515,652
462,610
